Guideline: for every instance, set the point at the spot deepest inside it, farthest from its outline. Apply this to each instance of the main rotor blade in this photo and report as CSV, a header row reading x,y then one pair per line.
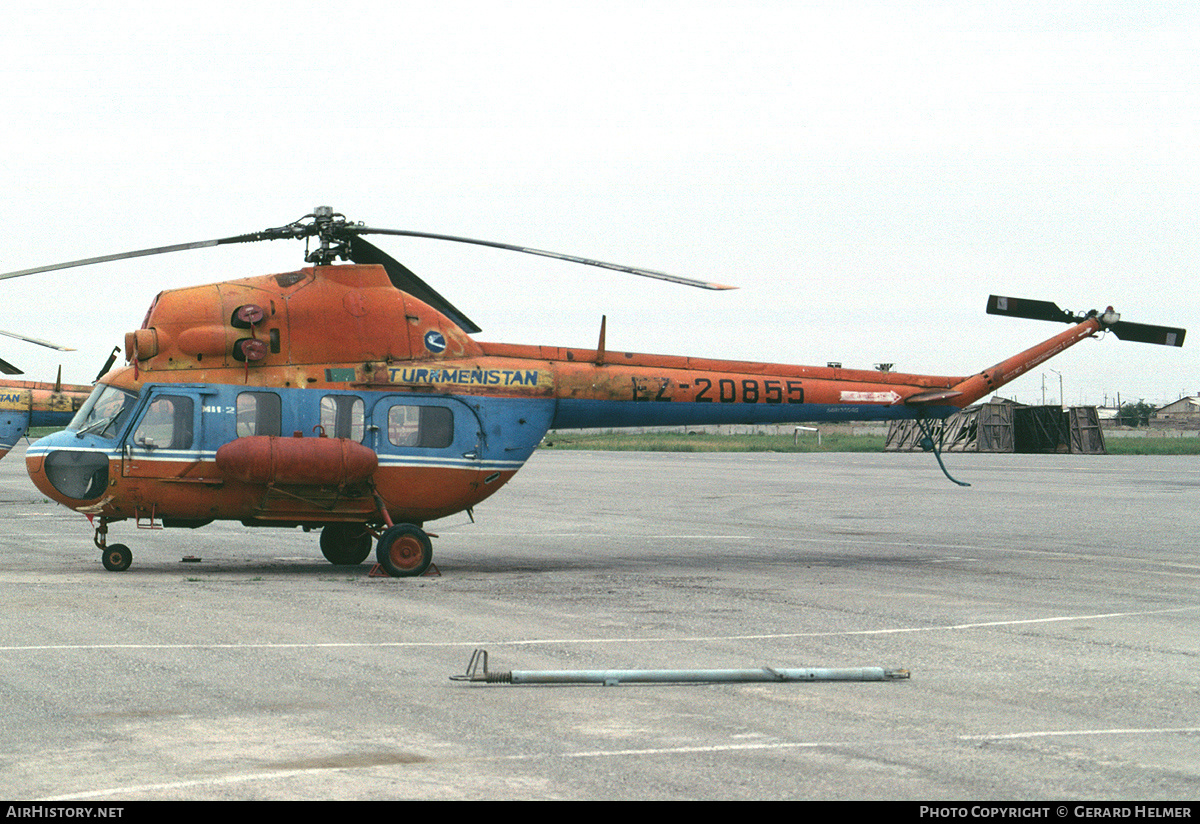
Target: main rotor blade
x,y
336,234
38,341
632,270
157,250
403,279
8,369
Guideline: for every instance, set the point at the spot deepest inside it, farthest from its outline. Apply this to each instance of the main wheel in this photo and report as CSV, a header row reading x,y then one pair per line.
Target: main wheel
x,y
345,544
116,557
404,551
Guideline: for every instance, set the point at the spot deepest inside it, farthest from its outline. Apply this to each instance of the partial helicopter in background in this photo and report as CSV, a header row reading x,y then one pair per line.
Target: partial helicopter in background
x,y
36,403
351,398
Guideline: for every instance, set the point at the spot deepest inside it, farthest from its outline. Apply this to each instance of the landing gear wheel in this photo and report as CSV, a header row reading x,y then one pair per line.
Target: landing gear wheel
x,y
404,551
345,544
116,557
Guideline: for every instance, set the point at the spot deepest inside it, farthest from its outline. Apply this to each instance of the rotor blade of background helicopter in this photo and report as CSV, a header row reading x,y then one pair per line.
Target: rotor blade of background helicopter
x,y
112,358
8,369
403,279
157,250
633,270
38,341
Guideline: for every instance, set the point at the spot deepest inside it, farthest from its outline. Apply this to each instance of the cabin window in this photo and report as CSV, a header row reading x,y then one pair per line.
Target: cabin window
x,y
259,413
342,417
167,424
426,427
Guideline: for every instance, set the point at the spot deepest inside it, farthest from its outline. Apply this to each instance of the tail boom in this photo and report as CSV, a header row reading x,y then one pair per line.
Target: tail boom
x,y
989,380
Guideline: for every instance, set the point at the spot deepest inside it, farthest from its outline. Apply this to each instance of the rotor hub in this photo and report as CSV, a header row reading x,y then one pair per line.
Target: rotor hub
x,y
328,227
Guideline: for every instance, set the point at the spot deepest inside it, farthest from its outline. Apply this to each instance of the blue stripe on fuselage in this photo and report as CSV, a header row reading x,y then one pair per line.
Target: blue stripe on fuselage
x,y
581,414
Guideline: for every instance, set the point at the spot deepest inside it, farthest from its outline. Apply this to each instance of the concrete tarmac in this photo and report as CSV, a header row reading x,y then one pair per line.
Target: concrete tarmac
x,y
1048,616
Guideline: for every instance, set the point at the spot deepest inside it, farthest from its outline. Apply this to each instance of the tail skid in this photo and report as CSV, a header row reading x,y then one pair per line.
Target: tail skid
x,y
933,432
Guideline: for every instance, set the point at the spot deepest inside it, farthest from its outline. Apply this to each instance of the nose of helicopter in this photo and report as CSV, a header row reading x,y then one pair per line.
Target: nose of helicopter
x,y
67,469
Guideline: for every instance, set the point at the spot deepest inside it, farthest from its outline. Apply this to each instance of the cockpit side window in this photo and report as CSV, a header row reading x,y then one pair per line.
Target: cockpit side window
x,y
167,423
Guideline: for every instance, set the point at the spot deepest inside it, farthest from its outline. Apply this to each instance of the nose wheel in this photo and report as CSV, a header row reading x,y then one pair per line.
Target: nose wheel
x,y
116,558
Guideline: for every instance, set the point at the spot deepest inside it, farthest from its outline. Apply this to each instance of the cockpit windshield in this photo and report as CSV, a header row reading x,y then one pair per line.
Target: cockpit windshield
x,y
103,413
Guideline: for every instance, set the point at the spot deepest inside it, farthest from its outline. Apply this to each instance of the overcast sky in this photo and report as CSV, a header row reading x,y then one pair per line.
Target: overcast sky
x,y
867,173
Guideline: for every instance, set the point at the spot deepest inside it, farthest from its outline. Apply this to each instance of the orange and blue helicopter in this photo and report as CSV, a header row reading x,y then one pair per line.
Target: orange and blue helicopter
x,y
352,398
36,403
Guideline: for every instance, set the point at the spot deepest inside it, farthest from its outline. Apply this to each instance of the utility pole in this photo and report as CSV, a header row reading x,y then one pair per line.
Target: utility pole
x,y
1062,401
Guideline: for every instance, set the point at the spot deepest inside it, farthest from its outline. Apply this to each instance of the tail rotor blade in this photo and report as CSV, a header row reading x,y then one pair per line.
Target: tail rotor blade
x,y
1108,319
1032,309
1144,333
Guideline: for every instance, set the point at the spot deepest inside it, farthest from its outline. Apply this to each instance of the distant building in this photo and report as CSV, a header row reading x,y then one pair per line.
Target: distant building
x,y
1183,414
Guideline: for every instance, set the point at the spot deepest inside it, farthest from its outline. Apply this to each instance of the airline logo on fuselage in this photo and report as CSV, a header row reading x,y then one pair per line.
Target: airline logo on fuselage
x,y
435,341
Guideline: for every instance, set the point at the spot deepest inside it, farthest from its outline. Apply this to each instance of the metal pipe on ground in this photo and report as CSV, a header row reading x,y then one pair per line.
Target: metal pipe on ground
x,y
477,671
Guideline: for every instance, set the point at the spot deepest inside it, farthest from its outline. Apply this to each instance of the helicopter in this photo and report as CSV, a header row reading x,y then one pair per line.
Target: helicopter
x,y
349,396
36,403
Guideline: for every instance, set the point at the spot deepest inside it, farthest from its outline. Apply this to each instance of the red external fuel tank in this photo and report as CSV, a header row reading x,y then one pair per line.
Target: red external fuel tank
x,y
262,459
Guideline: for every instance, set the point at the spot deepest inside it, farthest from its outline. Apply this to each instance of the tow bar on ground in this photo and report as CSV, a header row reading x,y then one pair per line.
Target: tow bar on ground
x,y
477,671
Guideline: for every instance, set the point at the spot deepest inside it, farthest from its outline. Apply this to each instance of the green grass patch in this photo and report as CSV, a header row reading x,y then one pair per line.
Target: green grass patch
x,y
1152,446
